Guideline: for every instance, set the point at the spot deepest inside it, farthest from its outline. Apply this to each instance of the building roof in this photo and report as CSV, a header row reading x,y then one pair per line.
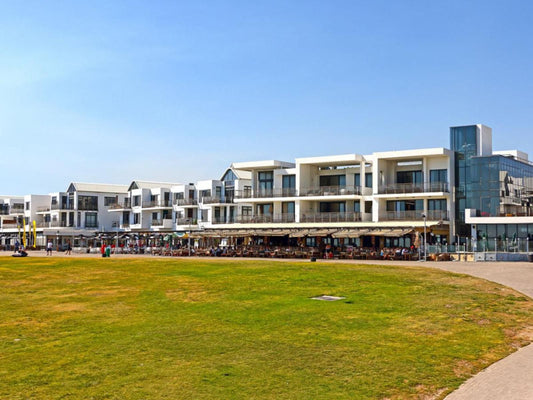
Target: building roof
x,y
150,185
97,187
259,165
338,160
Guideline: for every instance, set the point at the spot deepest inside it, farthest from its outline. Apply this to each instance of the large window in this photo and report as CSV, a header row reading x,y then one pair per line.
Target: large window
x,y
91,220
438,176
409,177
357,179
266,180
110,200
288,207
334,206
265,209
333,180
89,203
289,181
437,204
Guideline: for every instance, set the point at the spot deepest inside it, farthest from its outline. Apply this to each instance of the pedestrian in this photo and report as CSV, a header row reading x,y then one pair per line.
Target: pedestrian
x,y
102,249
49,247
69,248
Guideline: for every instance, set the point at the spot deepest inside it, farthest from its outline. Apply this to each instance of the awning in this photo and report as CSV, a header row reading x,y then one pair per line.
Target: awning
x,y
350,233
300,233
398,232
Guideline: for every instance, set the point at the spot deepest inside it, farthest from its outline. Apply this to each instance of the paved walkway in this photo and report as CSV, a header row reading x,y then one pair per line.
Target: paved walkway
x,y
508,379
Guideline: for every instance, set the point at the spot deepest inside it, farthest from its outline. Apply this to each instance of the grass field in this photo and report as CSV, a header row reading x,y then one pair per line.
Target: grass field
x,y
224,329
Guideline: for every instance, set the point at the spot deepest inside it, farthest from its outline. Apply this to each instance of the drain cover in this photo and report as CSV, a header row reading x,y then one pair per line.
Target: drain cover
x,y
328,298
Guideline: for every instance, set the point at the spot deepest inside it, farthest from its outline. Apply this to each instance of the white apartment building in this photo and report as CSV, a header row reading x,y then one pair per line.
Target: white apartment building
x,y
376,200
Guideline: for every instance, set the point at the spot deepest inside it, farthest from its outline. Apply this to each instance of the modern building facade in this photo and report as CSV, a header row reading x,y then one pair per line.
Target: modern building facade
x,y
383,199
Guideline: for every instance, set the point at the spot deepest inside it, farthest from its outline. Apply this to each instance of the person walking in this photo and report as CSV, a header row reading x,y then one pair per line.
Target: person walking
x,y
49,247
68,252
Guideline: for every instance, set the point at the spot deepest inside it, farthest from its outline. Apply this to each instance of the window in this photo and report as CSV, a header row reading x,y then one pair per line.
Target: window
x,y
89,203
136,218
110,200
368,180
218,191
287,207
246,210
289,181
27,205
265,209
178,196
266,180
409,177
438,175
136,201
91,220
368,207
333,180
357,179
357,206
205,193
335,206
437,204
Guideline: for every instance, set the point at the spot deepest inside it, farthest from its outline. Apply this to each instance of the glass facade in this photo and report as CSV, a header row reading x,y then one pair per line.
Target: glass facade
x,y
494,185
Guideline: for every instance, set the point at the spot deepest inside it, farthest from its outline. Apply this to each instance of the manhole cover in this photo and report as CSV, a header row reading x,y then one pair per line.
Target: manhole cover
x,y
328,298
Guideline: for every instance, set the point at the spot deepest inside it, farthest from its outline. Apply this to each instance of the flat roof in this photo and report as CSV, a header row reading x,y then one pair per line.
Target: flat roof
x,y
259,165
338,160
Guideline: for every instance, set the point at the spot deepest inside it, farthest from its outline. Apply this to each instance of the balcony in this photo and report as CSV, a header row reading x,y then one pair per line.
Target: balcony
x,y
185,202
416,215
186,221
262,219
331,217
121,206
162,223
62,206
216,200
332,191
157,204
265,193
403,188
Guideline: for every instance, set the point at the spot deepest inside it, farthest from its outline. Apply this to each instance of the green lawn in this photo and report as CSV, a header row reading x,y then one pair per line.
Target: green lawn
x,y
235,329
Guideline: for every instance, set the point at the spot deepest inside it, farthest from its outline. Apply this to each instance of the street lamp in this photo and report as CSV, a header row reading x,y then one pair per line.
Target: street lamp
x,y
425,238
189,237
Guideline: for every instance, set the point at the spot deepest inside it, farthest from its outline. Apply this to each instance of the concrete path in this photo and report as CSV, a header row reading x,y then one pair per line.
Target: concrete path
x,y
508,379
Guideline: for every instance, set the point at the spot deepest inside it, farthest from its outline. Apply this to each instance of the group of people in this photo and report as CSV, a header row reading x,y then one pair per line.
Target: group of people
x,y
50,246
19,250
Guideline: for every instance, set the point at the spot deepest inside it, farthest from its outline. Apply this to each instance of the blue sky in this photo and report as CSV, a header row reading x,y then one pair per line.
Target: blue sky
x,y
111,91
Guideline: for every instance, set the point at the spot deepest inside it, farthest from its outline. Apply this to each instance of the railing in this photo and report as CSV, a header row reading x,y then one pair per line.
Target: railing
x,y
216,200
155,204
4,212
62,207
186,221
277,218
119,206
332,191
416,215
331,217
426,187
43,209
157,222
59,224
8,225
292,192
185,202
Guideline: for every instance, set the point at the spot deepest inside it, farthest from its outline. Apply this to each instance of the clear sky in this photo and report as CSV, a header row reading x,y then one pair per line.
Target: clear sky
x,y
112,91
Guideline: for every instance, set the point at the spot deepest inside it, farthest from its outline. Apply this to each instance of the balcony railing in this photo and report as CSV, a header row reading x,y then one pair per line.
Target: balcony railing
x,y
185,202
62,206
292,192
162,222
331,217
216,200
332,191
426,187
275,219
186,221
120,206
88,207
416,215
157,204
